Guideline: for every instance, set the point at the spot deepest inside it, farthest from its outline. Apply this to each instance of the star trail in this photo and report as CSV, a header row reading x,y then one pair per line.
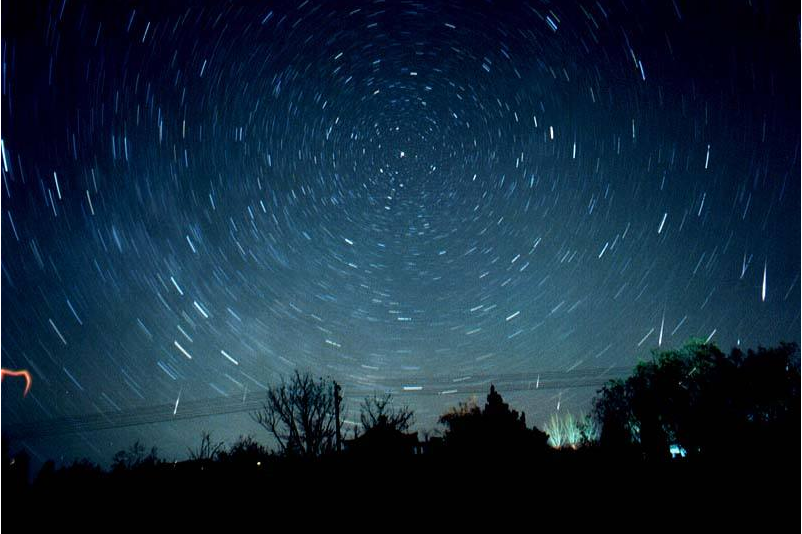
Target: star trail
x,y
421,197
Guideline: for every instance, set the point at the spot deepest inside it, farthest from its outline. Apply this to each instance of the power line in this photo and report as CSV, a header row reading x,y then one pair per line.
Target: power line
x,y
401,388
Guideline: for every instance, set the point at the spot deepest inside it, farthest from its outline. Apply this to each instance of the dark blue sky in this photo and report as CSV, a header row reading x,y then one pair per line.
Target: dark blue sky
x,y
415,196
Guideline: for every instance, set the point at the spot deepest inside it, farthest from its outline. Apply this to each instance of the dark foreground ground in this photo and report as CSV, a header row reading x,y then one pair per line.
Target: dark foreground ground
x,y
569,491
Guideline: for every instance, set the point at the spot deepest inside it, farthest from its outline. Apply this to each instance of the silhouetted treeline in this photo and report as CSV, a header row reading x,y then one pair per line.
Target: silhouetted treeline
x,y
692,425
705,403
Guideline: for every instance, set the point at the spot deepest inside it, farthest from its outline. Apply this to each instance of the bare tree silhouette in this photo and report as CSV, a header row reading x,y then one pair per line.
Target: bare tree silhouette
x,y
379,411
300,414
206,451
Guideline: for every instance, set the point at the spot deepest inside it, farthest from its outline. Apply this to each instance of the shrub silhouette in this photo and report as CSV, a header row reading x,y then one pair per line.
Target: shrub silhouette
x,y
136,457
383,429
244,452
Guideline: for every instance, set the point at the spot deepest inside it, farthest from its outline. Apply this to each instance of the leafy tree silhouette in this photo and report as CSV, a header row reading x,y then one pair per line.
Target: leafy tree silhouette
x,y
708,403
493,431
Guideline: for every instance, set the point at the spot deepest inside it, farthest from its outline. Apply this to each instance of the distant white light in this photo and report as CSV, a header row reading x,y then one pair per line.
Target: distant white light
x,y
677,450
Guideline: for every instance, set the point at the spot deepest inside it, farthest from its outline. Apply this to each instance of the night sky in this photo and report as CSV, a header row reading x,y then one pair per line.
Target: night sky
x,y
420,197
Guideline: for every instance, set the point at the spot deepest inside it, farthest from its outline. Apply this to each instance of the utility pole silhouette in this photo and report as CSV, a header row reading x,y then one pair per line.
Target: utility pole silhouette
x,y
337,400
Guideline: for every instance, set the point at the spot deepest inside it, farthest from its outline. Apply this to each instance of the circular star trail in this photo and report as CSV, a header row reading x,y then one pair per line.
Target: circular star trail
x,y
198,199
